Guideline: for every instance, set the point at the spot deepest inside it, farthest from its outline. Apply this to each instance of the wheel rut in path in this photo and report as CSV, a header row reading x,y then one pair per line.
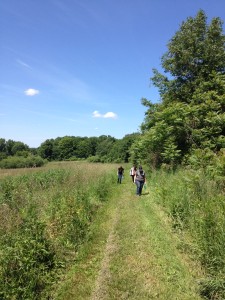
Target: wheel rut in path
x,y
104,274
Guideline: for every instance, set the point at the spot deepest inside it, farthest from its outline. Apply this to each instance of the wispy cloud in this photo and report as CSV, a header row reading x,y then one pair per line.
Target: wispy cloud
x,y
31,92
22,63
96,114
108,115
79,14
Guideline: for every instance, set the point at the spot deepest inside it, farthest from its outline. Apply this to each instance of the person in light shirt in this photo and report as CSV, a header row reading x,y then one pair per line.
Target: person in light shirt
x,y
132,172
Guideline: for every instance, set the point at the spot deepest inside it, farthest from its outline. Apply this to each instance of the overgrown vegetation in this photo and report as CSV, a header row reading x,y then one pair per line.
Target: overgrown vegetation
x,y
195,202
186,128
45,216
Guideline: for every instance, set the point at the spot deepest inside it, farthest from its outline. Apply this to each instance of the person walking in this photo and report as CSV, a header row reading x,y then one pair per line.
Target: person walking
x,y
132,172
120,172
140,180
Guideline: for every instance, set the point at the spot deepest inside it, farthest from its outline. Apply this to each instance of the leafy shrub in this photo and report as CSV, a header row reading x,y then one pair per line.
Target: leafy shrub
x,y
93,159
14,162
2,156
201,158
22,153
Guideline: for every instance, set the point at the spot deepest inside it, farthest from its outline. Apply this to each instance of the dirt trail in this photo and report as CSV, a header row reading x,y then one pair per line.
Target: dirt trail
x,y
104,274
141,260
134,255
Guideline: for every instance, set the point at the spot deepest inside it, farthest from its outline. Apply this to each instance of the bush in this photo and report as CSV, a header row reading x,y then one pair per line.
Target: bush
x,y
14,162
93,159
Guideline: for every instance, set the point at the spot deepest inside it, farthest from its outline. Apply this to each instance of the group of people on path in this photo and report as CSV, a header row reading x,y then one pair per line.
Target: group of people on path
x,y
137,177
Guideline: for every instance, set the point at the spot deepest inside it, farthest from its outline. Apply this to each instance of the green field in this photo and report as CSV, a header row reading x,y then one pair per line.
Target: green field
x,y
69,231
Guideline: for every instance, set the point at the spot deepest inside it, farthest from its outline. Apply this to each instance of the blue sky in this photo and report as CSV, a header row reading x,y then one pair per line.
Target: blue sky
x,y
81,67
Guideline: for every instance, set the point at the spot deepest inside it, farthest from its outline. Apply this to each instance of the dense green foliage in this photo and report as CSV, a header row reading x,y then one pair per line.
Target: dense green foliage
x,y
99,149
13,162
191,114
94,149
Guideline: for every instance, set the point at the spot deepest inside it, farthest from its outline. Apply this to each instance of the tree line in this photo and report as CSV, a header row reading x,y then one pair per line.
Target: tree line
x,y
104,148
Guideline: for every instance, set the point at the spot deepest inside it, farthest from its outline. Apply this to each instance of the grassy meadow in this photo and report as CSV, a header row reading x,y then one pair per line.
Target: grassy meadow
x,y
45,215
55,221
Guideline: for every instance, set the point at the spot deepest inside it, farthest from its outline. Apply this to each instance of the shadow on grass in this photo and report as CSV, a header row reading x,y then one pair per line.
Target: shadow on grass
x,y
144,194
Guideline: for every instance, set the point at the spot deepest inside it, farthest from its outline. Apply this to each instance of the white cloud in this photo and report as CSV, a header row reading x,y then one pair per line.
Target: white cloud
x,y
31,92
96,114
107,115
110,114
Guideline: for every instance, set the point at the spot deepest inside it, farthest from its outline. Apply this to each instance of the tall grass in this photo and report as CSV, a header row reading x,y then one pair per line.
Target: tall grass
x,y
45,216
196,205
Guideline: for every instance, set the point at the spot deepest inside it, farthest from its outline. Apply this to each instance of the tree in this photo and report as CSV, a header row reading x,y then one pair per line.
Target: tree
x,y
194,53
67,146
8,146
104,147
191,113
46,149
19,147
2,145
83,149
118,151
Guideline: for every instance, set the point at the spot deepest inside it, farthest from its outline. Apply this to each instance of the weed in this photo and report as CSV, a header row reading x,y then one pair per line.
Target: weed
x,y
45,214
196,203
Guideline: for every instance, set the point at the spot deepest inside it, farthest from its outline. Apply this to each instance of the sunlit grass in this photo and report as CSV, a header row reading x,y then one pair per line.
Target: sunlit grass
x,y
195,203
46,213
52,211
132,255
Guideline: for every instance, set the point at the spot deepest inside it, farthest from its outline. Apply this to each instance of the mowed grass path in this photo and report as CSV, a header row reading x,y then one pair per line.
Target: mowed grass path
x,y
132,253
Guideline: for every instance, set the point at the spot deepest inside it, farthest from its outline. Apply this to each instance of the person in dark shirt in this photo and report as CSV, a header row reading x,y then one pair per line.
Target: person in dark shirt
x,y
120,174
139,180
